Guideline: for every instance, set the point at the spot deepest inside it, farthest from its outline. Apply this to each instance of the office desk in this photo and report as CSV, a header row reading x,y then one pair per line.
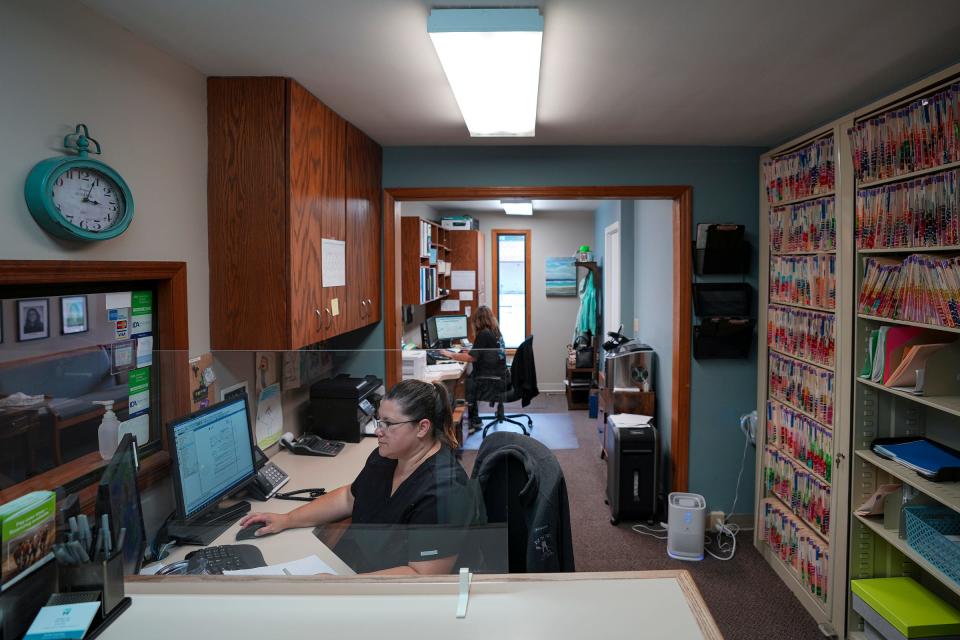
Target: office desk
x,y
640,604
304,472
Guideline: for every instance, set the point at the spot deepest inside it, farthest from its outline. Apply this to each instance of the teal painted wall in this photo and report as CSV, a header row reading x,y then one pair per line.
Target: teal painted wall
x,y
724,181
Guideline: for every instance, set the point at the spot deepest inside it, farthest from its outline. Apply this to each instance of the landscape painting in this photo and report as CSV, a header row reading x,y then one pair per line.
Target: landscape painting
x,y
561,277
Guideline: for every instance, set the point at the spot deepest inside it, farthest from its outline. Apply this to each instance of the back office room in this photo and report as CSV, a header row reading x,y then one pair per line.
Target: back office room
x,y
631,95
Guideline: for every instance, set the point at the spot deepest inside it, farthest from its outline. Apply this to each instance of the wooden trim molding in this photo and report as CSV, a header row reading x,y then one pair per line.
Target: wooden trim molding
x,y
682,197
392,290
682,311
495,274
172,344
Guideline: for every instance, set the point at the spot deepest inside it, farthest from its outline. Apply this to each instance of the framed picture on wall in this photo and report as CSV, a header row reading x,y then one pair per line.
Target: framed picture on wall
x,y
33,319
561,276
73,314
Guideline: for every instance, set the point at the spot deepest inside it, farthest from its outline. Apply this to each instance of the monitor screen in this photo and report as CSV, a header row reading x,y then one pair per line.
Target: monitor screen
x,y
213,455
119,497
451,327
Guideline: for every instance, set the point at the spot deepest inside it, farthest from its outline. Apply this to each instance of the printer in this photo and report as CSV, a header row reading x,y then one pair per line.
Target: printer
x,y
343,408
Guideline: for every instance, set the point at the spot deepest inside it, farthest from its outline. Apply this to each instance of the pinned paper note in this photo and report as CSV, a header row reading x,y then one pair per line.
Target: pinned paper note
x,y
333,262
119,300
450,305
466,295
463,280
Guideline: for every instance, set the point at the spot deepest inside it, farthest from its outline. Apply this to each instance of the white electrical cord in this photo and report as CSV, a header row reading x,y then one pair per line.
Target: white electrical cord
x,y
643,529
726,528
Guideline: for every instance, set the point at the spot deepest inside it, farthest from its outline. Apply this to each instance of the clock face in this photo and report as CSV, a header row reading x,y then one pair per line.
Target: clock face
x,y
87,199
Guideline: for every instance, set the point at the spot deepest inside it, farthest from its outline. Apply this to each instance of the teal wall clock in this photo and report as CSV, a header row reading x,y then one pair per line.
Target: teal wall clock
x,y
76,197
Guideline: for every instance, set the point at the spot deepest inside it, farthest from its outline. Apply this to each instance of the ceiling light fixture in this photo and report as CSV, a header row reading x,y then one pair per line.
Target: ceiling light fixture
x,y
517,207
491,58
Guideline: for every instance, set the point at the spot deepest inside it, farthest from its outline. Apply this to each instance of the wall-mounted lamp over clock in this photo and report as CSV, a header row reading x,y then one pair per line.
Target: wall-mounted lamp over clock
x,y
76,197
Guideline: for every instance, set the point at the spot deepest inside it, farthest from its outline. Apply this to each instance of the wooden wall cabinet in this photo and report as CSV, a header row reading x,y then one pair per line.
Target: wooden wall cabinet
x,y
466,254
284,173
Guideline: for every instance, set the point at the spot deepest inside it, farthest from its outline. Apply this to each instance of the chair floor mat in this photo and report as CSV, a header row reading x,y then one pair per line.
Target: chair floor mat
x,y
555,430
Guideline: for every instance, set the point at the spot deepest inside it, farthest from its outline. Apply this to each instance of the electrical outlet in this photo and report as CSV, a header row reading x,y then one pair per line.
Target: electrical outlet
x,y
715,518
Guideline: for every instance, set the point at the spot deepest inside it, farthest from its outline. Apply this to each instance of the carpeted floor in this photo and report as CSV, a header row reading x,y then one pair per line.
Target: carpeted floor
x,y
746,598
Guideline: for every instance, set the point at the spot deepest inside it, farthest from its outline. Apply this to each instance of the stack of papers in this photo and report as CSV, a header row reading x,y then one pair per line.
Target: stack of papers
x,y
923,456
439,368
309,566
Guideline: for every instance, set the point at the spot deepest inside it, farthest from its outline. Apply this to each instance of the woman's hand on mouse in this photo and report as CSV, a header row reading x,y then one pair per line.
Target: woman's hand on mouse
x,y
273,522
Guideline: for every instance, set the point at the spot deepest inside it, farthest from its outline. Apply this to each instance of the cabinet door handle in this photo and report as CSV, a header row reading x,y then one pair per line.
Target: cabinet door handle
x,y
319,317
329,319
363,306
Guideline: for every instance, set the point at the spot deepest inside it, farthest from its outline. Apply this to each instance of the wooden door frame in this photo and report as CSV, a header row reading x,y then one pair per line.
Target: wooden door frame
x,y
682,197
495,273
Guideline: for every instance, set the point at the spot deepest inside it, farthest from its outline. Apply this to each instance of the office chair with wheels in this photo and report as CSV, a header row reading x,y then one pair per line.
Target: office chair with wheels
x,y
518,382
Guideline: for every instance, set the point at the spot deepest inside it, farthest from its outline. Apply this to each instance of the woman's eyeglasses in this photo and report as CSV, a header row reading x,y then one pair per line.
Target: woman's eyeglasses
x,y
384,425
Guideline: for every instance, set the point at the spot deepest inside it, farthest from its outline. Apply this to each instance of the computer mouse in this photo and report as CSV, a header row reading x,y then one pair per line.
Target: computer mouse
x,y
250,531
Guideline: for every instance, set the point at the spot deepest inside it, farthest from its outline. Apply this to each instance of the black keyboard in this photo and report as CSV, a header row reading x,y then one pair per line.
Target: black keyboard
x,y
228,557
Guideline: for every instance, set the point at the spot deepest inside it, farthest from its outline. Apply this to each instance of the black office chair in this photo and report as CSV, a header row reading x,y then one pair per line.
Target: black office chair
x,y
523,488
518,382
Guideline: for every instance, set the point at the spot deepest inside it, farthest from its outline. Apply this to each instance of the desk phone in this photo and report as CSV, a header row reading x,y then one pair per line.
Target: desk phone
x,y
269,478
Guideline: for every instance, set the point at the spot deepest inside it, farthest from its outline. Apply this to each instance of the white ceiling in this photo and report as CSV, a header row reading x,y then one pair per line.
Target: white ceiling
x,y
540,207
685,72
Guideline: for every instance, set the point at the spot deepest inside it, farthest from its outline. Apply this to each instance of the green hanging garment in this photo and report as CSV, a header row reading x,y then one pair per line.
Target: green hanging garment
x,y
587,316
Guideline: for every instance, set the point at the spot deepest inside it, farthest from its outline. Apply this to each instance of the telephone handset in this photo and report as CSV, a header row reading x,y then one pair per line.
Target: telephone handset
x,y
269,477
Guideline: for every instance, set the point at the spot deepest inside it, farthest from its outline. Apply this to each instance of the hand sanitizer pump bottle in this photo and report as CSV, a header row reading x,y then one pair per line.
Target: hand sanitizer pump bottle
x,y
109,430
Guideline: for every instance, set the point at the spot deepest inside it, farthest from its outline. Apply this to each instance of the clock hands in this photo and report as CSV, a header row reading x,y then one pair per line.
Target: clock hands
x,y
86,198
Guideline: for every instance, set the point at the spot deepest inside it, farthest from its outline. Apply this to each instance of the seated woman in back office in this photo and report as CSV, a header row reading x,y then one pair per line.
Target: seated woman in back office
x,y
487,355
411,503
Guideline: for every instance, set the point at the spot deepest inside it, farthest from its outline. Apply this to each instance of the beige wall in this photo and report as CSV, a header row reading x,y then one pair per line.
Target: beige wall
x,y
64,64
551,319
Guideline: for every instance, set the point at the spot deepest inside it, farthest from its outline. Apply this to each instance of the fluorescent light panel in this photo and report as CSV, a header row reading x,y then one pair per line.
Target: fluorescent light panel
x,y
517,208
491,58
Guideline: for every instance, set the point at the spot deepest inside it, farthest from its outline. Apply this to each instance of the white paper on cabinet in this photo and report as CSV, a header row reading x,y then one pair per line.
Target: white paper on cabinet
x,y
466,295
450,305
463,280
333,262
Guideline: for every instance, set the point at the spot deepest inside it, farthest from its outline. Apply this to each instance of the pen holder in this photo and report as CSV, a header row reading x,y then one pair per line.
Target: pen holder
x,y
105,576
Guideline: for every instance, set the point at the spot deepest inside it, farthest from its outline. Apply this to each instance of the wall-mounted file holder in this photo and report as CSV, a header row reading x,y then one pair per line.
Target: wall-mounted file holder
x,y
726,328
722,299
716,338
721,249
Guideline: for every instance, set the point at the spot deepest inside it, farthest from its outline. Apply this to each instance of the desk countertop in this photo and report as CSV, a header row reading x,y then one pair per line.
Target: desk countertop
x,y
641,604
305,472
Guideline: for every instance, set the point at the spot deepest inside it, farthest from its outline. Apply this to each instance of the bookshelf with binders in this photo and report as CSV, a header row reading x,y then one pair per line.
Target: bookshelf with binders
x,y
904,156
798,371
425,260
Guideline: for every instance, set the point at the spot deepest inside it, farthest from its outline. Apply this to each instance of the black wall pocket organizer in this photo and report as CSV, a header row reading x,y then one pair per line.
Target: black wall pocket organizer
x,y
720,249
726,328
724,308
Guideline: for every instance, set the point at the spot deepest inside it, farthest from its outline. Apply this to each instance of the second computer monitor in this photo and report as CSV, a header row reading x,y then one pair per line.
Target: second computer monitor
x,y
212,455
443,329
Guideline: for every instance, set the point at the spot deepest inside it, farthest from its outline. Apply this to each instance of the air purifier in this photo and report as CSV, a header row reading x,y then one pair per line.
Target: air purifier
x,y
686,518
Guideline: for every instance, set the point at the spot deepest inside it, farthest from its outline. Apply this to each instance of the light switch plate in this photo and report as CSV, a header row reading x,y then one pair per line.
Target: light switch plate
x,y
636,325
335,307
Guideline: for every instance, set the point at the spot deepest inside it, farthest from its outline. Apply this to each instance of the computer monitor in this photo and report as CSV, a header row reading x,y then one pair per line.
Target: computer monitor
x,y
213,457
118,496
443,329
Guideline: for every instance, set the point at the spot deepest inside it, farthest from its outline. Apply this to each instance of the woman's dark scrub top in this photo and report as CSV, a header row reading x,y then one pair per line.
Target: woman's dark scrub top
x,y
424,520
